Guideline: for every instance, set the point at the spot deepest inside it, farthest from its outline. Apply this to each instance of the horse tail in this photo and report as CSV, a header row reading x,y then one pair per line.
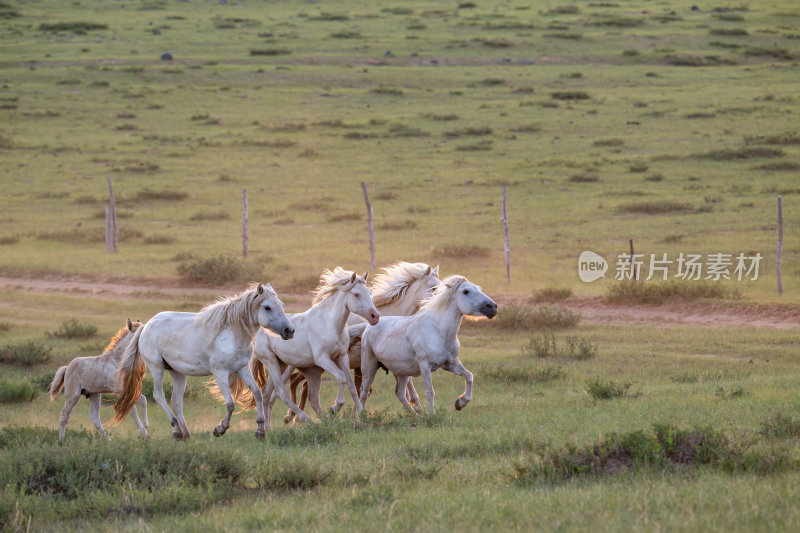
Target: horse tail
x,y
259,372
130,375
241,393
355,332
58,383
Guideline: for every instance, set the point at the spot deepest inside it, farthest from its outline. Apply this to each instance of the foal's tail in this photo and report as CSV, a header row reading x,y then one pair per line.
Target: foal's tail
x,y
130,376
58,383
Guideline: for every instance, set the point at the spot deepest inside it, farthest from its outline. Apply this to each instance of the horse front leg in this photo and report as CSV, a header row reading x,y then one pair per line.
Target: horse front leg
x,y
278,382
458,369
313,377
142,405
369,367
250,381
344,365
400,390
342,377
225,388
70,400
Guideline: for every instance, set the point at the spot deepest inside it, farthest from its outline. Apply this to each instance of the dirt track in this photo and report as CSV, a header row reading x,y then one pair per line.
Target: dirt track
x,y
592,309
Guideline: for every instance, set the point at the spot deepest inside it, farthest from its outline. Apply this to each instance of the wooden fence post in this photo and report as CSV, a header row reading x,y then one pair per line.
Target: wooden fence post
x,y
112,229
244,223
369,227
780,247
633,263
506,245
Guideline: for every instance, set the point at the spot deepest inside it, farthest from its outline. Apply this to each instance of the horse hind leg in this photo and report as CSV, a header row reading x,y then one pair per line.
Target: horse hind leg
x,y
160,399
70,400
94,413
296,379
142,403
178,389
400,390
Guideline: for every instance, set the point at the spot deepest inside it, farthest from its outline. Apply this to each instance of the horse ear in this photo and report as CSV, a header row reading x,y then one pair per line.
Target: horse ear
x,y
130,324
353,278
427,272
260,289
366,275
270,287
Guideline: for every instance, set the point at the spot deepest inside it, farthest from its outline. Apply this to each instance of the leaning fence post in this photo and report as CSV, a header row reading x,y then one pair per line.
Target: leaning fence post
x,y
506,245
634,275
244,223
369,227
780,246
112,229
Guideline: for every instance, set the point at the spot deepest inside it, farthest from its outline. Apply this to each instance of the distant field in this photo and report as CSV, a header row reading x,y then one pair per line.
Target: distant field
x,y
582,109
607,121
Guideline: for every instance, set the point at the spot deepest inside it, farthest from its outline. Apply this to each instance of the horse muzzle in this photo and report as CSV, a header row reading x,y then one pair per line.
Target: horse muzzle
x,y
287,333
373,318
489,309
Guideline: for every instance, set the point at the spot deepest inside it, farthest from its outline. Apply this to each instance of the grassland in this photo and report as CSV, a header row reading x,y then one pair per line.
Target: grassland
x,y
607,121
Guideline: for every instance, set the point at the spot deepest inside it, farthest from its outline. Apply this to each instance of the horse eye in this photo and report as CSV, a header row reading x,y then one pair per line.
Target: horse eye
x,y
267,308
466,291
357,295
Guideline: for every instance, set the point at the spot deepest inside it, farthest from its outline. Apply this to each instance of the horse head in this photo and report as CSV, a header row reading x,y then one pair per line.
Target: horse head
x,y
270,312
359,299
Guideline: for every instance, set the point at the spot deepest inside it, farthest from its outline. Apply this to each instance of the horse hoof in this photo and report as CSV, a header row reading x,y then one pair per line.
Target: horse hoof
x,y
218,431
460,403
287,419
260,434
177,435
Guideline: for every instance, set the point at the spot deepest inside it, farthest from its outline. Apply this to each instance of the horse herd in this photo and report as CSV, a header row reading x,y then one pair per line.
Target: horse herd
x,y
406,322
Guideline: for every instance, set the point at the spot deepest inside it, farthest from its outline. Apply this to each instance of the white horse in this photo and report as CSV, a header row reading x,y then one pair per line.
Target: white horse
x,y
321,344
216,341
93,376
399,290
419,344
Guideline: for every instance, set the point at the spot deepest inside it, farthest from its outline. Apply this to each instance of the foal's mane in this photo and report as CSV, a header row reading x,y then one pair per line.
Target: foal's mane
x,y
116,338
234,311
392,284
443,294
331,281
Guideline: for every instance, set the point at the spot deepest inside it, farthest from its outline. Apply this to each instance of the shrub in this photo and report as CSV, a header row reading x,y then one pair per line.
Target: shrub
x,y
746,152
476,131
218,270
72,329
159,239
294,474
657,207
570,95
15,392
545,346
270,52
659,292
210,215
509,375
42,381
607,390
781,426
26,353
584,178
165,194
6,240
461,251
522,317
76,27
551,294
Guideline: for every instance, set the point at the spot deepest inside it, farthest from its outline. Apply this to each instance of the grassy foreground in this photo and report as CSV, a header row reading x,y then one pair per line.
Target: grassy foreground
x,y
606,120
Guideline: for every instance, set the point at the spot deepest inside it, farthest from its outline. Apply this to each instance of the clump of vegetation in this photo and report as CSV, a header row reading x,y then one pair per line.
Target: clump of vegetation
x,y
165,194
270,51
218,270
781,426
461,251
665,449
608,142
735,391
659,207
510,375
479,146
570,95
551,294
398,225
72,329
80,27
26,353
476,131
745,152
522,317
599,389
6,240
545,346
16,392
209,215
159,239
617,21
343,216
788,138
293,474
659,292
387,91
584,178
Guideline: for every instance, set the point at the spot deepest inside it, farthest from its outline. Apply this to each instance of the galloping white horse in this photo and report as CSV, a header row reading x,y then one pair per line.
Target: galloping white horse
x,y
399,290
322,341
218,340
419,344
92,376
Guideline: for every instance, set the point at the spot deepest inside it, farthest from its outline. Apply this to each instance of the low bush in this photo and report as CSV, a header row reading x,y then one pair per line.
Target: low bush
x,y
523,317
599,389
27,353
659,292
72,329
551,294
293,474
545,346
15,392
218,270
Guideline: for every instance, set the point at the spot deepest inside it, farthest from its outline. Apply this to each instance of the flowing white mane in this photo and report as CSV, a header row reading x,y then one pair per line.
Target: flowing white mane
x,y
330,282
443,294
393,283
234,311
